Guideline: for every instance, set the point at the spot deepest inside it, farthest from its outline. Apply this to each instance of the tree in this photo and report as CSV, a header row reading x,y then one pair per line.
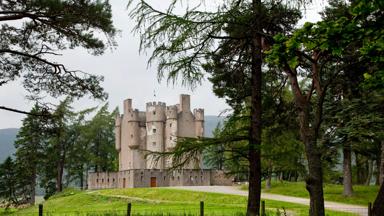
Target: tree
x,y
78,157
315,52
55,150
8,182
29,146
182,44
31,31
101,140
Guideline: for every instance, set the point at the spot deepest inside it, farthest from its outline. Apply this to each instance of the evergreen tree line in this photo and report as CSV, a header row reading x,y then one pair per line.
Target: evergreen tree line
x,y
57,150
300,95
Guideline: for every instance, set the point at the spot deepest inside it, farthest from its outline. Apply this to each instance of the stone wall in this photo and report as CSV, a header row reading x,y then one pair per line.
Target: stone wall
x,y
103,180
158,178
218,177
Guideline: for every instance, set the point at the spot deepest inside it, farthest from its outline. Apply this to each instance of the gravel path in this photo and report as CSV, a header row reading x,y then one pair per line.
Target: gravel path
x,y
360,210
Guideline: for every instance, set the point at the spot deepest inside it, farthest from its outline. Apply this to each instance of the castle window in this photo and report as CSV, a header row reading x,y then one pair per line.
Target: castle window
x,y
131,135
113,180
178,178
108,180
164,178
154,143
97,180
102,180
170,124
154,112
154,130
170,138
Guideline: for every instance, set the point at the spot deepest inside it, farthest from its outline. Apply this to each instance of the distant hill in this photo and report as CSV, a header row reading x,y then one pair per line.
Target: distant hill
x,y
211,123
7,138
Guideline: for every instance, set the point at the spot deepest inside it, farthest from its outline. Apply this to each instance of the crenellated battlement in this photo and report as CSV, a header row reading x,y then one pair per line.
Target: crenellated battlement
x,y
155,111
172,112
162,104
132,115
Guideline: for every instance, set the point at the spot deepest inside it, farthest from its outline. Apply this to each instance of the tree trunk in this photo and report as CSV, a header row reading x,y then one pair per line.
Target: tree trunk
x,y
82,179
314,180
347,170
381,171
269,178
378,206
378,163
370,172
60,167
254,191
360,170
33,187
59,177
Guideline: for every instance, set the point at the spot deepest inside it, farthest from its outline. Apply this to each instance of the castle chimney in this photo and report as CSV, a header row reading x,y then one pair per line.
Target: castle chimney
x,y
185,102
127,105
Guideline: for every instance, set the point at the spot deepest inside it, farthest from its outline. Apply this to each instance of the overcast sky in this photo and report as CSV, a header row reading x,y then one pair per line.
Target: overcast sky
x,y
126,74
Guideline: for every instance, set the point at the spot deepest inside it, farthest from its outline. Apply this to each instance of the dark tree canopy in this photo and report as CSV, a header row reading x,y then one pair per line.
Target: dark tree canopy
x,y
32,32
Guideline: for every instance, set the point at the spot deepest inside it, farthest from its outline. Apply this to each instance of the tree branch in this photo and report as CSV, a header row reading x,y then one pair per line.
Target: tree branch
x,y
23,112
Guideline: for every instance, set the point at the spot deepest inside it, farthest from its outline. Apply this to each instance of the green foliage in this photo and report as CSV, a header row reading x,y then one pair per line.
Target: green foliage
x,y
59,149
30,142
100,138
32,31
8,182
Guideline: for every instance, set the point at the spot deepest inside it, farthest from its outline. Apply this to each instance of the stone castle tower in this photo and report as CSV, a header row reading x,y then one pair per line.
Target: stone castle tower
x,y
157,130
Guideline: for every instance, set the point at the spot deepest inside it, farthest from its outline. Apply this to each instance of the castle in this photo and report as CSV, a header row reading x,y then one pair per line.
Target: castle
x,y
156,130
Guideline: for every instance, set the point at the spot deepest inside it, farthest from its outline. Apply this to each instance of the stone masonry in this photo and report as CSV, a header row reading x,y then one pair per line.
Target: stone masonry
x,y
156,130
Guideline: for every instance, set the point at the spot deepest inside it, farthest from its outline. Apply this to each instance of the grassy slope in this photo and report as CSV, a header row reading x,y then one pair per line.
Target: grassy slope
x,y
362,194
149,201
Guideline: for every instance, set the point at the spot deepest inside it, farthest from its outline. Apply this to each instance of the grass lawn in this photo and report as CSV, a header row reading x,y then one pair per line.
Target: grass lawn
x,y
154,201
362,194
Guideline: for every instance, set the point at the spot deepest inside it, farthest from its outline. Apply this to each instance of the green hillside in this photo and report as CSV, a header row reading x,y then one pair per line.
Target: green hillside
x,y
154,201
7,138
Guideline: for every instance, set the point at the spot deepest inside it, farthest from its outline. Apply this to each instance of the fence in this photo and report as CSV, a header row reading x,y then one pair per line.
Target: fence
x,y
129,211
202,209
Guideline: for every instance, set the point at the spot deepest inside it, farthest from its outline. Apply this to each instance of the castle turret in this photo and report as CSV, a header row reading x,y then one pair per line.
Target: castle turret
x,y
130,138
199,122
155,117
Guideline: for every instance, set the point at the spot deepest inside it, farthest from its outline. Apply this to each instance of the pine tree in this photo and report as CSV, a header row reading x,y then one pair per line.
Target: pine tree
x,y
8,182
29,151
